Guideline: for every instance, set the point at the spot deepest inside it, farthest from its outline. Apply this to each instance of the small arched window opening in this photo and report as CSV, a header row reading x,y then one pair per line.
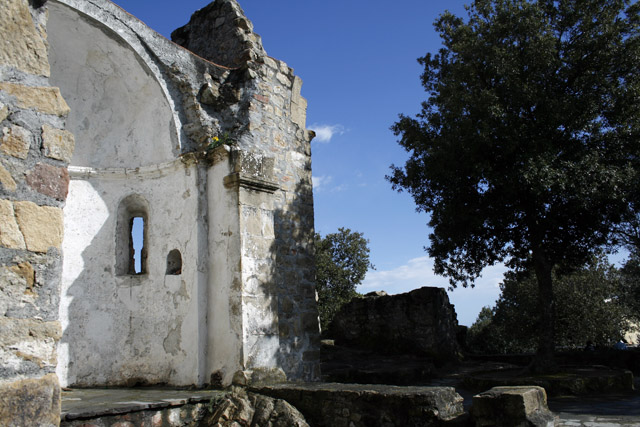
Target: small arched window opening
x,y
174,263
137,245
131,236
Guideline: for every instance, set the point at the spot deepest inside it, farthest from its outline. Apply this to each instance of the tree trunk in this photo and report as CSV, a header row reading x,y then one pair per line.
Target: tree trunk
x,y
544,361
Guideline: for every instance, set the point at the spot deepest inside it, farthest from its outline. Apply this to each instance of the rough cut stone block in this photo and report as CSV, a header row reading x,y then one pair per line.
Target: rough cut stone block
x,y
10,235
58,143
29,339
7,180
41,226
22,47
240,408
15,141
4,111
46,100
26,271
284,80
17,289
512,406
359,405
31,402
270,63
299,111
49,180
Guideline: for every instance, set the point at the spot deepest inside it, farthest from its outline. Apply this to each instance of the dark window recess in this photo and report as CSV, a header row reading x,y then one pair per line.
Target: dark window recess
x,y
174,263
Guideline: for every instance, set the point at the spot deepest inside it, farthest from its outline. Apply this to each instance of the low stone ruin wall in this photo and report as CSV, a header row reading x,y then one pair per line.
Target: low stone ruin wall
x,y
355,405
421,322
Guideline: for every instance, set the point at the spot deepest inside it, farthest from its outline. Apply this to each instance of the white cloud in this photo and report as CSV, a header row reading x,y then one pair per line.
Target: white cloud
x,y
418,272
324,133
323,183
320,181
415,273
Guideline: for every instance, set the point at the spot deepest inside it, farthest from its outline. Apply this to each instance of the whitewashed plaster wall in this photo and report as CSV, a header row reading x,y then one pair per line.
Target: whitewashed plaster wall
x,y
130,329
123,329
143,110
225,332
120,116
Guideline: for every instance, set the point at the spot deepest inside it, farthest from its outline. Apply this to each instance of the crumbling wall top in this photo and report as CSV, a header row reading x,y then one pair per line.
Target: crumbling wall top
x,y
221,33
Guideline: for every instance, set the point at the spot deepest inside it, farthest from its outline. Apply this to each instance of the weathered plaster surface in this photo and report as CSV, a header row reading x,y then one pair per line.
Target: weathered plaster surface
x,y
130,328
121,117
224,311
143,111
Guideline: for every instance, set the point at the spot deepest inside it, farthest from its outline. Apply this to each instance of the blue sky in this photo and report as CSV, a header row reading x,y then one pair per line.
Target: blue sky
x,y
357,60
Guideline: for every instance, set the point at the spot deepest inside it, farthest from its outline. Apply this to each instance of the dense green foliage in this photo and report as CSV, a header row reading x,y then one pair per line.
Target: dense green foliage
x,y
630,286
526,150
629,236
589,308
484,337
342,261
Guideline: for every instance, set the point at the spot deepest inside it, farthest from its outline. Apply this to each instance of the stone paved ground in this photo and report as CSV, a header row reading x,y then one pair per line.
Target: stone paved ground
x,y
571,411
597,411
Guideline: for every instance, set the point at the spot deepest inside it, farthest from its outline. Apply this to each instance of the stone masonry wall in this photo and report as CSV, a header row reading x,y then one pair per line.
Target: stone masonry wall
x,y
270,123
421,322
231,42
252,101
35,150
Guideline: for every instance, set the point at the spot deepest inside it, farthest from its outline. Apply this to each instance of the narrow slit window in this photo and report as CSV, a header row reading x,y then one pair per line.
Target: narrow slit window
x,y
132,238
137,244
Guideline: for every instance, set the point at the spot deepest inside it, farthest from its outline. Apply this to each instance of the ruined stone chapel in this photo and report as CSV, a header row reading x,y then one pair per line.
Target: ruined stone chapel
x,y
202,144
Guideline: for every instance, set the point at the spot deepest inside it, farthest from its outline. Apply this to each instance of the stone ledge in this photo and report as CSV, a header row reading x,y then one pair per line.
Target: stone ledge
x,y
95,403
333,404
239,180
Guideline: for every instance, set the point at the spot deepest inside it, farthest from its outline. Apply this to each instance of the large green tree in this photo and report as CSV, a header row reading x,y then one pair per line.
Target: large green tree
x,y
589,307
526,149
342,262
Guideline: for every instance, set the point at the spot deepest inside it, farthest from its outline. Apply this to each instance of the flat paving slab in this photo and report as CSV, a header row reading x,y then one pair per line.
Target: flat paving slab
x,y
597,411
91,403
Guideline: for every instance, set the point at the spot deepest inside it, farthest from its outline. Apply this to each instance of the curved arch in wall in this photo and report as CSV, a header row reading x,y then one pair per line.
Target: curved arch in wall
x,y
120,115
